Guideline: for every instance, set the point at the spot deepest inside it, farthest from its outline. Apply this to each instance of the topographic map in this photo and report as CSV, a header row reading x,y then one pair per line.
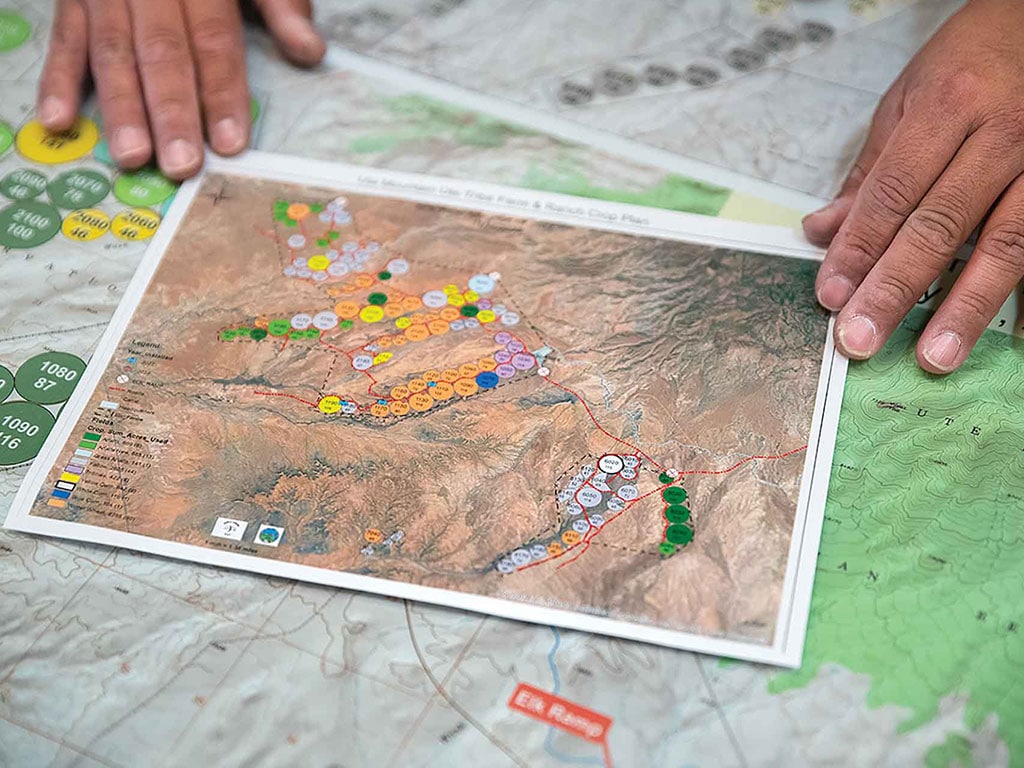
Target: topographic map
x,y
775,90
109,658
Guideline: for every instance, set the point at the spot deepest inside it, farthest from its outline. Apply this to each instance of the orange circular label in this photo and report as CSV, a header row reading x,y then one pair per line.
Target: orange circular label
x,y
442,390
374,536
400,392
417,385
379,410
298,211
555,549
399,408
410,303
431,375
363,280
384,342
466,387
571,538
421,401
400,341
438,327
468,370
487,364
449,314
393,309
346,309
417,333
450,375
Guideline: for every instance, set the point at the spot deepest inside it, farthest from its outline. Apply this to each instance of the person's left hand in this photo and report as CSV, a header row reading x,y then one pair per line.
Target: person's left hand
x,y
946,148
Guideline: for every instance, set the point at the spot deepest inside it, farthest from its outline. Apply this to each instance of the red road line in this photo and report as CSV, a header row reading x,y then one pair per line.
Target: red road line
x,y
741,462
597,424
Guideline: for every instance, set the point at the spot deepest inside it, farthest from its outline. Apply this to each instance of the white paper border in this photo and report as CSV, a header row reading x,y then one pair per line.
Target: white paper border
x,y
795,601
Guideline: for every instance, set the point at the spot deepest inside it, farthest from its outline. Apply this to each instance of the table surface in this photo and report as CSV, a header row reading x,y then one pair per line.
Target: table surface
x,y
115,659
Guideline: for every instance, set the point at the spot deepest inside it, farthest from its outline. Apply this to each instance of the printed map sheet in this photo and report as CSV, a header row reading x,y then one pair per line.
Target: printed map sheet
x,y
770,97
584,414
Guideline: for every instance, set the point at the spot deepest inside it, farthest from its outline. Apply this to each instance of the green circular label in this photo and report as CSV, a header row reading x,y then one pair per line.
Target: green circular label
x,y
6,137
49,378
145,187
14,30
279,327
28,223
674,495
677,514
679,534
78,189
23,184
6,383
23,430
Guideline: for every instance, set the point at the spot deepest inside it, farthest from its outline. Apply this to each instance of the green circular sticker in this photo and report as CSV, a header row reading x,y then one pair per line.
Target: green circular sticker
x,y
78,189
23,430
6,383
28,223
145,187
22,184
14,30
6,137
49,378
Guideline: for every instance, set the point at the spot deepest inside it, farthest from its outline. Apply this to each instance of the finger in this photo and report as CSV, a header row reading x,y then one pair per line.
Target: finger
x,y
60,87
215,27
112,58
928,240
917,153
168,84
290,24
990,276
821,226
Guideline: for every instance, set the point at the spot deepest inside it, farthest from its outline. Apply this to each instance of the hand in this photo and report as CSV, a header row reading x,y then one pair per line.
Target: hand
x,y
163,69
945,149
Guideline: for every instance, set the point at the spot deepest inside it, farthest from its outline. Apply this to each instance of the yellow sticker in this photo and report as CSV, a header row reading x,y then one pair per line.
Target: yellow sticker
x,y
371,314
85,224
330,404
135,224
402,323
486,316
36,143
381,358
319,263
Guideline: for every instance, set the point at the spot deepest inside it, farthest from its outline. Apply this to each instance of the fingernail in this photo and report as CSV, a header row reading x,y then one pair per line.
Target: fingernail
x,y
857,336
179,157
943,350
835,292
51,110
227,136
129,143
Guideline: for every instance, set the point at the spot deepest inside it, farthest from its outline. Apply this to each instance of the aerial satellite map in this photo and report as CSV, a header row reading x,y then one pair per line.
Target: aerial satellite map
x,y
379,386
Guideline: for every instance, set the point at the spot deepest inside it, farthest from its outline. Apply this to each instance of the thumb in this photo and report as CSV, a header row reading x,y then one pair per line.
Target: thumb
x,y
290,24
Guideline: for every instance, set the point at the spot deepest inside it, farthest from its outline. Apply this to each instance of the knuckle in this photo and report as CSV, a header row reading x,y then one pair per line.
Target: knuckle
x,y
163,47
977,303
955,90
857,249
895,290
1003,245
170,111
112,50
892,193
937,229
215,37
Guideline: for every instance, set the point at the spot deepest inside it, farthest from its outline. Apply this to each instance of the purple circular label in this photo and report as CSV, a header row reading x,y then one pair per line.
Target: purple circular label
x,y
515,346
502,356
503,338
523,362
505,370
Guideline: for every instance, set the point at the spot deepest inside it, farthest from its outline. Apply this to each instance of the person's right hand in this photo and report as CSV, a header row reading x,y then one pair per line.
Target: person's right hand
x,y
164,70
